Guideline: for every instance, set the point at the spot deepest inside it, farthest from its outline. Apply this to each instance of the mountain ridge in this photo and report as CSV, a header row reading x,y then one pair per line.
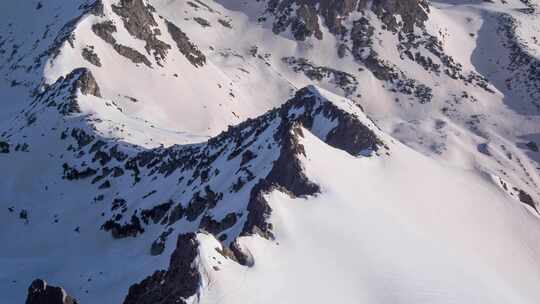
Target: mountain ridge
x,y
209,139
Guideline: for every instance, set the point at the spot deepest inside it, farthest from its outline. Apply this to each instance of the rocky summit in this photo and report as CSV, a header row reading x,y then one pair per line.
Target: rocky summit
x,y
289,151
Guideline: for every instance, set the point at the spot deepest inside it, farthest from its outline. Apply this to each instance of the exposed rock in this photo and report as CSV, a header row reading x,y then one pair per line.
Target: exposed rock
x,y
242,255
79,80
347,82
87,83
185,46
523,66
174,285
157,213
225,23
66,33
215,227
287,172
96,8
41,293
247,156
90,56
176,214
134,55
71,173
119,231
104,30
362,40
158,246
532,146
199,204
194,165
525,198
23,215
410,12
302,16
140,23
304,22
4,147
203,22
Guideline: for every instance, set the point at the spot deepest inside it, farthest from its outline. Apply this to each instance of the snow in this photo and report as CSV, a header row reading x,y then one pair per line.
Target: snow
x,y
375,235
428,223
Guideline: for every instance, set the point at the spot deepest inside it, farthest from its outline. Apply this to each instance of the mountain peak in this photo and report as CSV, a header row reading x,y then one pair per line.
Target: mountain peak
x,y
258,151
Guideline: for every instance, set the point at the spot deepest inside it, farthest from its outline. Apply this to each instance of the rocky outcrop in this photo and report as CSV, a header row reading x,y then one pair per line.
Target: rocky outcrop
x,y
302,16
86,83
105,30
287,174
62,94
362,41
523,66
175,285
89,55
525,198
400,14
272,141
185,46
4,147
140,23
303,22
531,145
345,81
41,293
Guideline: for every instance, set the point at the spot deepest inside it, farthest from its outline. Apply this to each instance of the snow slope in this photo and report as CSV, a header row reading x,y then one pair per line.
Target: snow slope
x,y
406,171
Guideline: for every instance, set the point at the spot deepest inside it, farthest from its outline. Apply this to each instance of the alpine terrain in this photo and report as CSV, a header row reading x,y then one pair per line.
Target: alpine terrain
x,y
269,151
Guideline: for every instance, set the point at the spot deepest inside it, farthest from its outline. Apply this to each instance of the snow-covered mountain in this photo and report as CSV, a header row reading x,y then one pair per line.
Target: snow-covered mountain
x,y
228,151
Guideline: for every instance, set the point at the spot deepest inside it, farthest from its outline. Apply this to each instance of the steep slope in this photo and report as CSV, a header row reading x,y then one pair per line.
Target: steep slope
x,y
159,151
289,154
149,195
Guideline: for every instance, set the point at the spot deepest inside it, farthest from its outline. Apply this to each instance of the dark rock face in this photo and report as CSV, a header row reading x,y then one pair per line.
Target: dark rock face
x,y
242,255
41,293
140,23
185,46
87,83
314,106
4,147
96,8
347,82
412,12
362,40
203,22
174,285
532,146
158,246
287,174
80,79
304,21
215,227
104,30
120,231
90,56
194,165
401,17
525,198
236,151
525,68
157,213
